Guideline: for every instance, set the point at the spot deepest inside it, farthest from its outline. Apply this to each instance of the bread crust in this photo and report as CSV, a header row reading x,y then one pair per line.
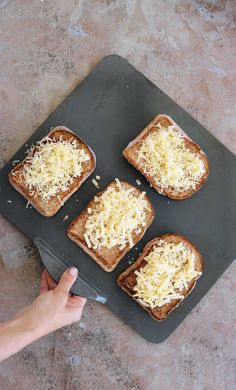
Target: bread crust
x,y
131,155
127,279
106,258
53,205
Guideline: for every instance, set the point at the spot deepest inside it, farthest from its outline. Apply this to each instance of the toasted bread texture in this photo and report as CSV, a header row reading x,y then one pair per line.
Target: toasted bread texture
x,y
127,280
52,206
107,258
131,153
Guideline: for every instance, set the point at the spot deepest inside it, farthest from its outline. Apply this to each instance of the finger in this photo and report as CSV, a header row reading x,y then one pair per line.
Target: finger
x,y
76,305
67,280
51,282
44,284
78,301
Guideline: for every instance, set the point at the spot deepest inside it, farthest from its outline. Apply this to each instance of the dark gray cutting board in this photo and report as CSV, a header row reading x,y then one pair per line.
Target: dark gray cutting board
x,y
108,109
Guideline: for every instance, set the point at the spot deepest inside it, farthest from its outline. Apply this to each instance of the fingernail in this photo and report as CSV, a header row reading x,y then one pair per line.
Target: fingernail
x,y
73,271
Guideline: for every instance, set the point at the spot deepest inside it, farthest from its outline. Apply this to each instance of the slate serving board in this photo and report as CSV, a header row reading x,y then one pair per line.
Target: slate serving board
x,y
108,109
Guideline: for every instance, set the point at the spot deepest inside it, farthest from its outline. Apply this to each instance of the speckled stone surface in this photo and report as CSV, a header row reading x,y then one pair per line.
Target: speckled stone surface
x,y
188,48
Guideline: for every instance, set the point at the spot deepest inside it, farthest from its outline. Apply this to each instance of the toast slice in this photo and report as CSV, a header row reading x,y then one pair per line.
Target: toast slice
x,y
50,206
128,279
108,256
177,172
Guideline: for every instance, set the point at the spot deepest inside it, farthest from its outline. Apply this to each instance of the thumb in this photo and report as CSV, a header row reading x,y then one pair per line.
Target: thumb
x,y
67,280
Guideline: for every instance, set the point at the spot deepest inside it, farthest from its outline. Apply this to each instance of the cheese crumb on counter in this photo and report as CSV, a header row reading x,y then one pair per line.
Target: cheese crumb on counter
x,y
15,162
95,183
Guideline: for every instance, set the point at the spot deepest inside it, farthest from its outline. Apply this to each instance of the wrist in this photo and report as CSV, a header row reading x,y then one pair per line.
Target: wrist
x,y
29,324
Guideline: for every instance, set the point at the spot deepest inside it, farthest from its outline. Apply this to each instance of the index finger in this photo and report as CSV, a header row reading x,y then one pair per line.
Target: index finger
x,y
44,284
50,281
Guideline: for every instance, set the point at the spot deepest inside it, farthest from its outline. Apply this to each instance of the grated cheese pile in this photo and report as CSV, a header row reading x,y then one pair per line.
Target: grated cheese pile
x,y
169,268
169,161
118,213
53,167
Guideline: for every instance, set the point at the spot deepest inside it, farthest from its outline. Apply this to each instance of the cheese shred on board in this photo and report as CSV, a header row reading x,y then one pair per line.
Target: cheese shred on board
x,y
164,155
117,214
52,168
169,269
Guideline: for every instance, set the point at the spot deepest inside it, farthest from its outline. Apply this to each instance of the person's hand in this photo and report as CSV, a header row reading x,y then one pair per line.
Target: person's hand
x,y
55,307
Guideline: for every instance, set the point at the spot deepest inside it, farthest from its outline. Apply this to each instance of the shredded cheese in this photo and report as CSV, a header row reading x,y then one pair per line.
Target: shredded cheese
x,y
53,167
163,155
118,213
95,183
169,269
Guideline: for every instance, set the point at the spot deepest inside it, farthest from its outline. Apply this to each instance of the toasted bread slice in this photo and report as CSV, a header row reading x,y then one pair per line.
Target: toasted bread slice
x,y
107,258
131,153
55,202
127,280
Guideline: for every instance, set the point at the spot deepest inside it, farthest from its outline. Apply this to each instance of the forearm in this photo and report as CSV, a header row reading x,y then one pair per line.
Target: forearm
x,y
17,334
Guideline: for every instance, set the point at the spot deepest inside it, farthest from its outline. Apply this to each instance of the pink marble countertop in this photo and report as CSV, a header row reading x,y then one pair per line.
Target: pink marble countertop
x,y
188,49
